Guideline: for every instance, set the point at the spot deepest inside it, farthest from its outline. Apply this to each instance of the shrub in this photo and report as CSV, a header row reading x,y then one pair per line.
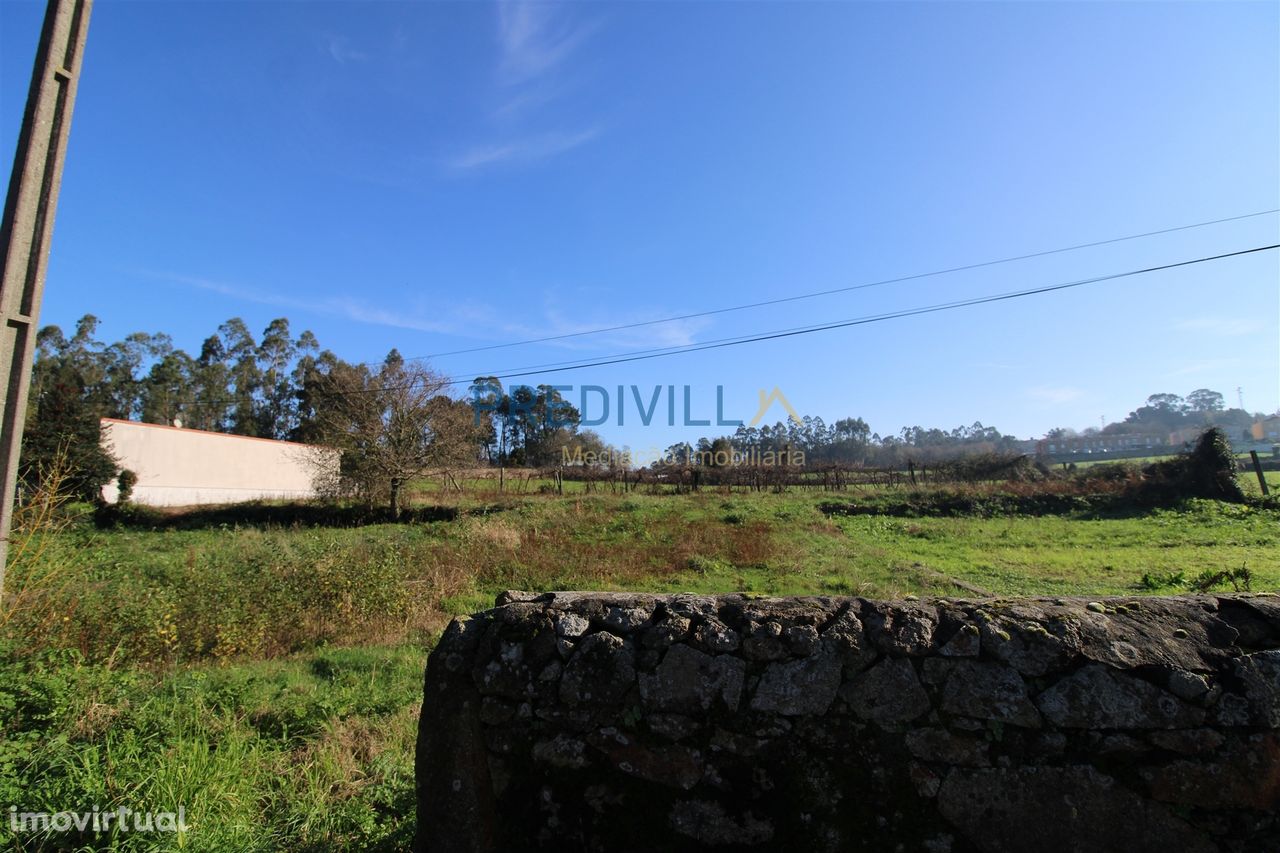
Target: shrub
x,y
1208,471
124,485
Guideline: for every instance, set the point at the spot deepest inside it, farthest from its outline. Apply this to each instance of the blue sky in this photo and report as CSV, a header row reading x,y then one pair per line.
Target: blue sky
x,y
440,176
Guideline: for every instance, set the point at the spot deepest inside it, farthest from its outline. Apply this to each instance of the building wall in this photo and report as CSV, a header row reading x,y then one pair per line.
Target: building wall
x,y
184,467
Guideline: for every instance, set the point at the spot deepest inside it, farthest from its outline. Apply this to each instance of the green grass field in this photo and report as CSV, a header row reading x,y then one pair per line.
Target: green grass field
x,y
310,752
1249,481
267,678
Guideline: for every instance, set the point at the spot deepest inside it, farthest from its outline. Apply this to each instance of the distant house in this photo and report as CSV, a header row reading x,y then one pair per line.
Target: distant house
x,y
1181,438
186,467
1266,429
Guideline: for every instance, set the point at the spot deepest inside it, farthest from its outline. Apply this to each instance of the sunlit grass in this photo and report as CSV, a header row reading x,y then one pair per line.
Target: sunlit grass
x,y
144,681
309,752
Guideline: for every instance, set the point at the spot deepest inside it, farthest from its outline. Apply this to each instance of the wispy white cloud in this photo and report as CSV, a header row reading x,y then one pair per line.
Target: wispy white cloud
x,y
340,50
400,39
677,333
478,322
534,38
349,309
1055,395
261,297
1221,326
362,312
525,150
535,41
525,101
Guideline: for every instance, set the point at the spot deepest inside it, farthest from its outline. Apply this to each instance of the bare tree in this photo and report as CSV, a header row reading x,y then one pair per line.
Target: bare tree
x,y
390,425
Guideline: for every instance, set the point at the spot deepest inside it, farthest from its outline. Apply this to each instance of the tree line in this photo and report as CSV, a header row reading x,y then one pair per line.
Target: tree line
x,y
395,419
236,384
390,420
527,426
1167,413
850,441
847,441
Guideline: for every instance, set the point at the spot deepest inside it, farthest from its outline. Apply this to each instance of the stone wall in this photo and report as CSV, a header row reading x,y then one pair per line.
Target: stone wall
x,y
596,721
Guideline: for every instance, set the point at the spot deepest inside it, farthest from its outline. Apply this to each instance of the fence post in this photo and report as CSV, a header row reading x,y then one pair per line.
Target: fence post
x,y
1257,469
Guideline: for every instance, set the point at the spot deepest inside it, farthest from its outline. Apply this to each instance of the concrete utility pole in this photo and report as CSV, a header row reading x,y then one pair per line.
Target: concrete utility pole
x,y
27,226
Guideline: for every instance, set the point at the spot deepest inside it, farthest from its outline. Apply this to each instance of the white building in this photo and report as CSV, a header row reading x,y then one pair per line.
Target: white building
x,y
185,467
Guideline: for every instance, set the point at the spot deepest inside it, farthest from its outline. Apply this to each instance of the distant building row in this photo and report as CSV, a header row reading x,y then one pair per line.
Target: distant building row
x,y
1263,432
1100,444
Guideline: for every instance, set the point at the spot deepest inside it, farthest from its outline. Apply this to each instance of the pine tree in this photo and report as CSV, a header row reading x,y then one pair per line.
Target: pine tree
x,y
62,423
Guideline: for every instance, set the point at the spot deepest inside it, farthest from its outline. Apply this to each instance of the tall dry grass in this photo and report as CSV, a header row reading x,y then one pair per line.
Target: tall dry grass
x,y
39,598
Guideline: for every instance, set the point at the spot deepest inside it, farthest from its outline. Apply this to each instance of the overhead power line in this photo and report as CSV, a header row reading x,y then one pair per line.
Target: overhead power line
x,y
644,355
819,293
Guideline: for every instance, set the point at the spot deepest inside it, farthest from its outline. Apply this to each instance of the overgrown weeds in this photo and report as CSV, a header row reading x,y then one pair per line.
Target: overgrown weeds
x,y
39,580
164,596
1207,471
1241,580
